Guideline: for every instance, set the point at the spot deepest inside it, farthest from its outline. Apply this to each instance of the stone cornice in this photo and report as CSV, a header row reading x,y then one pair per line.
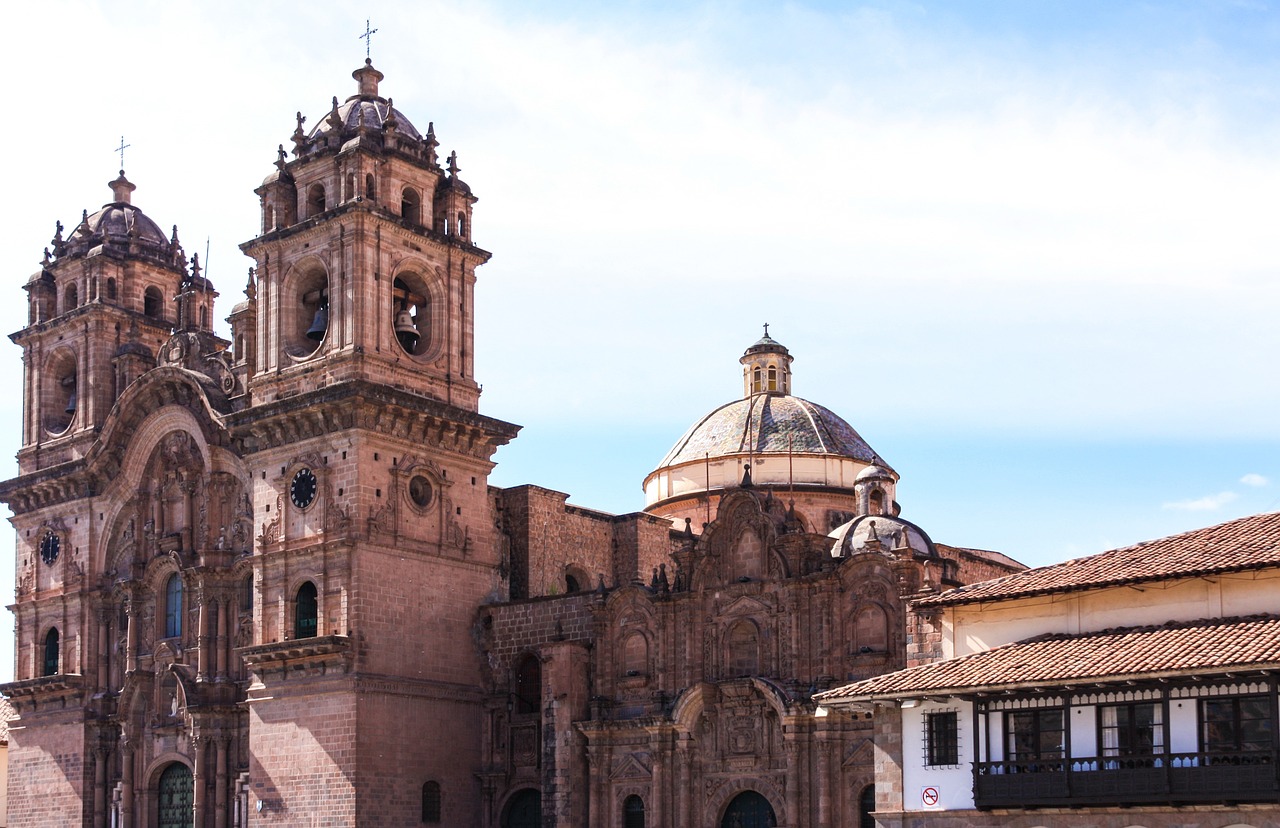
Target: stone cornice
x,y
365,405
59,690
322,222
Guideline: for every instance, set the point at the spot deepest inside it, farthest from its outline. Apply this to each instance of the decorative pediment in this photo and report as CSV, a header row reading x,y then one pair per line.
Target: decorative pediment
x,y
860,755
632,766
745,605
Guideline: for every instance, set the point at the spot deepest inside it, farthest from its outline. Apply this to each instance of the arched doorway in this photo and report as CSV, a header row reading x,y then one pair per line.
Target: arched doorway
x,y
176,793
749,810
524,810
867,804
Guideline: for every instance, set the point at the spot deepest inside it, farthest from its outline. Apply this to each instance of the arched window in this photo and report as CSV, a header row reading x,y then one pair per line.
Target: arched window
x,y
246,595
462,225
369,192
411,206
431,802
111,288
152,302
173,606
269,219
204,318
527,690
742,645
240,354
773,378
71,298
351,187
871,630
876,507
749,810
755,380
633,812
866,805
315,200
305,612
50,653
635,655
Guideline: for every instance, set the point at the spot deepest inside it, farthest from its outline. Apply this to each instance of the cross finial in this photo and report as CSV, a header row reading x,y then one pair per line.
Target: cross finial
x,y
766,329
120,149
367,37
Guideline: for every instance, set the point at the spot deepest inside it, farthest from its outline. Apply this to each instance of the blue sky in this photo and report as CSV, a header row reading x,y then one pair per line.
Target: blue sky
x,y
1027,249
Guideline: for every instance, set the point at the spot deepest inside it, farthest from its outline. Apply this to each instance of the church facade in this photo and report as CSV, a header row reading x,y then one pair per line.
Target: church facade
x,y
265,581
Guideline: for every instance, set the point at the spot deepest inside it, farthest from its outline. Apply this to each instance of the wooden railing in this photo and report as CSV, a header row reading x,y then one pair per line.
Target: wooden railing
x,y
1180,778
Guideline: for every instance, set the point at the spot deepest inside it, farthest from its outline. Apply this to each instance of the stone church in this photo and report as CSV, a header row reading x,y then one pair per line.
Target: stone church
x,y
265,581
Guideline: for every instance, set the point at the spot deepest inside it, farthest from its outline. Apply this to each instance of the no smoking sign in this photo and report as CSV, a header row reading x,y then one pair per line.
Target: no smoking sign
x,y
929,796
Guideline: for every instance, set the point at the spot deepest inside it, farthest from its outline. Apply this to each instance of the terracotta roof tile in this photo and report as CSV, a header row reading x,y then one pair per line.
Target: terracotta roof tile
x,y
1110,655
1248,543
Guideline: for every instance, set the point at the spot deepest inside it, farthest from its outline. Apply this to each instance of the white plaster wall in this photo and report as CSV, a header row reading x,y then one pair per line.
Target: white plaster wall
x,y
954,784
975,628
1084,731
1184,734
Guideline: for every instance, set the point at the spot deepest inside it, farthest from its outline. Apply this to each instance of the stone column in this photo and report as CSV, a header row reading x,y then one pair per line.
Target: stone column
x,y
203,662
126,778
198,777
224,637
220,795
791,747
131,635
684,790
822,794
100,787
103,648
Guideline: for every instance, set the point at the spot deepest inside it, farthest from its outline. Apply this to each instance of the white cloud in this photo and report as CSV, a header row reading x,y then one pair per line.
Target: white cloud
x,y
1208,503
1252,479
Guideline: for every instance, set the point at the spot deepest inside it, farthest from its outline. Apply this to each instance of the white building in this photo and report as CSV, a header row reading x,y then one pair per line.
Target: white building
x,y
1137,687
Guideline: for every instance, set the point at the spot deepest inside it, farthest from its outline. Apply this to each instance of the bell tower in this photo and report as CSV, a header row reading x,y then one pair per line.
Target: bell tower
x,y
375,532
102,304
365,264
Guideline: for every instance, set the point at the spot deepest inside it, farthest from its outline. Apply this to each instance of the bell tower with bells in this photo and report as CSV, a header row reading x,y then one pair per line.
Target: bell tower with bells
x,y
369,460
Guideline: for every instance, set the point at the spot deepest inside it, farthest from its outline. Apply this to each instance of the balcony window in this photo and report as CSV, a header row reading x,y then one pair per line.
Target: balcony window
x,y
1131,730
1034,735
1236,724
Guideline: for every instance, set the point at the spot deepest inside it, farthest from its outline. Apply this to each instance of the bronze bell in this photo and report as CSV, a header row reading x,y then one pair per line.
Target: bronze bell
x,y
320,324
406,330
71,402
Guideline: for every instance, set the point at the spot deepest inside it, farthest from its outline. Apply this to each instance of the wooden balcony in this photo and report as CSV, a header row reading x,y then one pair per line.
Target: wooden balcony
x,y
1172,778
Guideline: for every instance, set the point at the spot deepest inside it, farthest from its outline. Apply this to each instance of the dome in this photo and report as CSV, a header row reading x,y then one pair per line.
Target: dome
x,y
374,112
875,472
362,113
769,424
118,221
880,533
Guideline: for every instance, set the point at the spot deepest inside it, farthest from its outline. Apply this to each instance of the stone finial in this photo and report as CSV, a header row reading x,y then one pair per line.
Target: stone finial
x,y
454,169
281,157
367,77
121,188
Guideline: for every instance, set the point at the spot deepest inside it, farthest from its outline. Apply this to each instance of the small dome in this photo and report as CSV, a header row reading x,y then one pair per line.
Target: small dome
x,y
769,424
884,533
365,109
766,345
875,472
117,221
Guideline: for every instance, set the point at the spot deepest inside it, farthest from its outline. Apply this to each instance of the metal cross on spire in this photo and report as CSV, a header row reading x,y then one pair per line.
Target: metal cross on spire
x,y
120,149
766,329
367,37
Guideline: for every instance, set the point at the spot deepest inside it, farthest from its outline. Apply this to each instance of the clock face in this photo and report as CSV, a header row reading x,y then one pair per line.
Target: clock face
x,y
49,546
302,491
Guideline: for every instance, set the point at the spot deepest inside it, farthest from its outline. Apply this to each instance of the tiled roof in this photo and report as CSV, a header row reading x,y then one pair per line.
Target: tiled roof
x,y
769,424
1248,543
6,713
1182,648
